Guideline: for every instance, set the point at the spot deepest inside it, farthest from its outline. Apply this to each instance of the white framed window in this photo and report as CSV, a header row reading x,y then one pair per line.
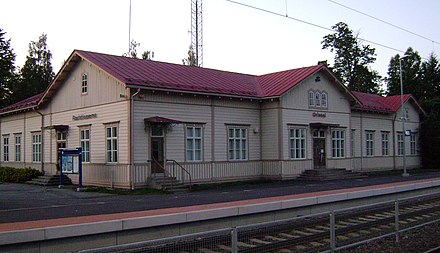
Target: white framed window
x,y
385,143
338,143
413,144
311,98
6,148
369,143
84,84
317,99
36,147
324,99
85,144
194,143
111,143
237,143
297,143
400,139
17,147
353,132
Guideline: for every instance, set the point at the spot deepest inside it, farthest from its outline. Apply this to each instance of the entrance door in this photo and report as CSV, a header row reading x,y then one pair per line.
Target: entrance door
x,y
61,143
157,149
319,153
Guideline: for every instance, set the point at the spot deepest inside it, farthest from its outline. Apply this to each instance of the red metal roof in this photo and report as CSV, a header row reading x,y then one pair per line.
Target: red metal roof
x,y
276,84
175,77
394,102
379,103
162,75
23,104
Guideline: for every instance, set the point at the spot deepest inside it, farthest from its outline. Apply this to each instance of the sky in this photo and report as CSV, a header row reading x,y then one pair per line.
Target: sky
x,y
235,38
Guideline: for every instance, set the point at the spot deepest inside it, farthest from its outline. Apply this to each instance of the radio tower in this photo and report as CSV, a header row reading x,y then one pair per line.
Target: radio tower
x,y
196,30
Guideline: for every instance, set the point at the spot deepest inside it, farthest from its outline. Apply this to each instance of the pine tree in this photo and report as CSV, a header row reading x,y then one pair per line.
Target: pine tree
x,y
7,69
37,73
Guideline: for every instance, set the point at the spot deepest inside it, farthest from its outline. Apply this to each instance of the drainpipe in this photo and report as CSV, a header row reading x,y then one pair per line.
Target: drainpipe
x,y
362,143
1,134
394,141
132,137
42,139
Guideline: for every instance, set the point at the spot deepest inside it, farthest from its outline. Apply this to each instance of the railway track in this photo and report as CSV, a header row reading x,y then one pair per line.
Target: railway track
x,y
306,234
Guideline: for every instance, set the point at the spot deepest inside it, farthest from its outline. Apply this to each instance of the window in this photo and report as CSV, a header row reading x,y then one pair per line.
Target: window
x,y
193,143
6,148
84,83
112,144
36,147
338,143
324,99
413,144
18,147
385,143
400,144
318,99
297,143
85,144
237,143
311,98
369,138
352,142
156,130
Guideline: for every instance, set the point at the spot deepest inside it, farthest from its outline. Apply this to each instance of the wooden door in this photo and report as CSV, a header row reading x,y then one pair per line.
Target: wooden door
x,y
319,153
157,155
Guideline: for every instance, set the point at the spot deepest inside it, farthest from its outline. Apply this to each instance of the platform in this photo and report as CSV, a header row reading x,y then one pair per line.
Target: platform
x,y
48,229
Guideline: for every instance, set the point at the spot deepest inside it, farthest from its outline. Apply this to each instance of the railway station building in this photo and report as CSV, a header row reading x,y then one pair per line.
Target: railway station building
x,y
136,119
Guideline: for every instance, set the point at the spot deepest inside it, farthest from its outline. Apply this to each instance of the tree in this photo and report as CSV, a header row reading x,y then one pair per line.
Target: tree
x,y
430,78
352,60
411,74
132,52
36,73
7,69
191,60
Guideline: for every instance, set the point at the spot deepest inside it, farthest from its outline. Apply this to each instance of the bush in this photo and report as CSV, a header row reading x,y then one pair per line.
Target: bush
x,y
14,175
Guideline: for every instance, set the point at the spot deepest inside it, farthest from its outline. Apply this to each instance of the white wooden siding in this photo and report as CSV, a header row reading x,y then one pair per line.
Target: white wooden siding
x,y
269,134
297,97
102,89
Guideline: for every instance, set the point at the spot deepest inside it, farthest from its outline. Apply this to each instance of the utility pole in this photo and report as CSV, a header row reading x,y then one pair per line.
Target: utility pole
x,y
197,31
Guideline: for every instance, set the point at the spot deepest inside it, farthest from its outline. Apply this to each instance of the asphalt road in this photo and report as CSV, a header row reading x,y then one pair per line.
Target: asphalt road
x,y
21,202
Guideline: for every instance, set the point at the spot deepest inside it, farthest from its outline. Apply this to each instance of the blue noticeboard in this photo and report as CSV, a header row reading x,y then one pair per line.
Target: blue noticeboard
x,y
70,161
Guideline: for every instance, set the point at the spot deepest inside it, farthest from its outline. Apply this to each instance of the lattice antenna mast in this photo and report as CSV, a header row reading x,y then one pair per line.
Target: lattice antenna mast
x,y
197,31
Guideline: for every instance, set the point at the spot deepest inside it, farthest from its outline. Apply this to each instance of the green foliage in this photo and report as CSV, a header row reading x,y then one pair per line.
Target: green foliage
x,y
7,69
411,74
422,80
352,60
132,52
192,59
430,141
37,73
14,175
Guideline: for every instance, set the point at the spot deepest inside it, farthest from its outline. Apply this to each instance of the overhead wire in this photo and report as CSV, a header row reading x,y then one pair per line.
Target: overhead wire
x,y
310,23
385,22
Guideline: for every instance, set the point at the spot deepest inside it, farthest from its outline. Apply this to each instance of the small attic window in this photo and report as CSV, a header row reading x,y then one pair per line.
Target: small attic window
x,y
318,79
84,84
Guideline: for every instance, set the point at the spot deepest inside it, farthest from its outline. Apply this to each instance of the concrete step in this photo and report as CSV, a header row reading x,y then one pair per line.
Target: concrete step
x,y
50,180
328,174
170,184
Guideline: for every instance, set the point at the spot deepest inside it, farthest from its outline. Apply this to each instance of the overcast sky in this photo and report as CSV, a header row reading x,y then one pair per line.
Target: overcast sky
x,y
235,38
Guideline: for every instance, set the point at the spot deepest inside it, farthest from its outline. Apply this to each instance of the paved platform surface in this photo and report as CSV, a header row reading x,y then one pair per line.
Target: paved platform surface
x,y
28,206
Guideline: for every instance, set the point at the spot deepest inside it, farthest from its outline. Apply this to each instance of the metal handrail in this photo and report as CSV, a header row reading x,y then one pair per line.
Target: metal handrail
x,y
182,169
166,172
